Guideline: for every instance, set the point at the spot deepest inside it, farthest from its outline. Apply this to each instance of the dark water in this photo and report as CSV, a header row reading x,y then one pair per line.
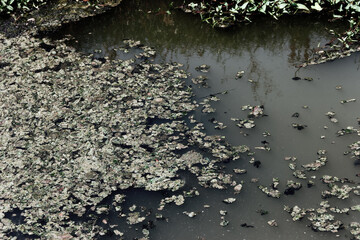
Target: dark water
x,y
267,51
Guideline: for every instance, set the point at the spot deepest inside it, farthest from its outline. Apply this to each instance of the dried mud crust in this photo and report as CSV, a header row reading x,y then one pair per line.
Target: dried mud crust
x,y
52,15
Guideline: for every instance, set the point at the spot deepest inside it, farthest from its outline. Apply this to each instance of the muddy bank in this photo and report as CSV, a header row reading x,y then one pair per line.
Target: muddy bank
x,y
50,16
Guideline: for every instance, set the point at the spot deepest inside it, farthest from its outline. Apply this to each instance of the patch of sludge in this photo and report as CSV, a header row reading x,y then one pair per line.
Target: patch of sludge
x,y
321,219
75,129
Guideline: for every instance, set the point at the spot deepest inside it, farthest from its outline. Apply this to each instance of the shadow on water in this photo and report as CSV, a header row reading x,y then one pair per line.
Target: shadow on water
x,y
267,51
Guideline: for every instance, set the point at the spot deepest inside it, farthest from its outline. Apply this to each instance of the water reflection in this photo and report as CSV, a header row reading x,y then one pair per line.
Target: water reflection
x,y
183,31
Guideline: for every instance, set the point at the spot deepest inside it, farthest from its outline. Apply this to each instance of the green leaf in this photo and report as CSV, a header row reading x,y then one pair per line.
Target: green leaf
x,y
233,10
244,5
302,7
282,5
263,9
337,16
316,7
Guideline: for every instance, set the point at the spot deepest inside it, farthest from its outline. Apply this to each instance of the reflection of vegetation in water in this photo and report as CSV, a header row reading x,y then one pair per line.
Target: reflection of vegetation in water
x,y
228,12
179,30
260,77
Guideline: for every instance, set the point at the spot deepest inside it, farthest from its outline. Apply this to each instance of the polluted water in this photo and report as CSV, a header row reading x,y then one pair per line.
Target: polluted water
x,y
295,131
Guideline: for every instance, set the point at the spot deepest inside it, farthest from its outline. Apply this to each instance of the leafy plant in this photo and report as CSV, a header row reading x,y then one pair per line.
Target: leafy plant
x,y
8,6
229,12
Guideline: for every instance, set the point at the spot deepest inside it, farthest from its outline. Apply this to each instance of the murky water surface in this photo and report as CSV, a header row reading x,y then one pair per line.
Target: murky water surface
x,y
267,51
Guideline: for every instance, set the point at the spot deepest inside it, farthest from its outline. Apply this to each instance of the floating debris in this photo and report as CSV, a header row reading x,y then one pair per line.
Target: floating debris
x,y
190,214
118,233
346,131
238,188
355,149
241,149
208,109
262,212
330,114
339,211
355,229
239,171
342,192
159,216
86,128
310,183
332,179
213,98
178,200
131,208
298,126
146,233
134,218
309,79
223,212
254,180
334,120
255,111
275,183
290,158
348,101
203,68
240,74
272,223
320,219
324,222
266,134
299,174
296,212
224,223
291,187
229,200
200,80
130,43
246,123
295,115
219,125
338,87
270,192
118,199
321,161
266,148
292,166
191,193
